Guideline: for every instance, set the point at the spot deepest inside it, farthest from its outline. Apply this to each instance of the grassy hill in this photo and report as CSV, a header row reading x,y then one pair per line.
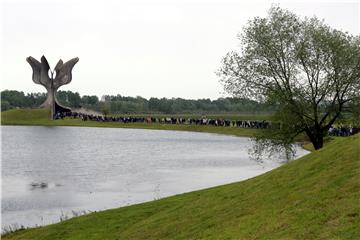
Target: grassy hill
x,y
315,197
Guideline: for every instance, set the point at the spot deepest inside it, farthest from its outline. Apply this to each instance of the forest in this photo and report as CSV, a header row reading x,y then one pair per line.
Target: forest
x,y
118,104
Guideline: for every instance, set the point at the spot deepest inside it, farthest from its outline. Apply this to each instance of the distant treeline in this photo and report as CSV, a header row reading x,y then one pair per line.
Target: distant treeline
x,y
118,104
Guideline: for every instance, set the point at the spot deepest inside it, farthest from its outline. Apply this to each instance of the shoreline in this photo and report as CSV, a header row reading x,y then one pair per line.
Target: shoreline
x,y
39,117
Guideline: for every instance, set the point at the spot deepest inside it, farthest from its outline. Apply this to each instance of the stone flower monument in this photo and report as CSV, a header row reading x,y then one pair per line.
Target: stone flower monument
x,y
52,80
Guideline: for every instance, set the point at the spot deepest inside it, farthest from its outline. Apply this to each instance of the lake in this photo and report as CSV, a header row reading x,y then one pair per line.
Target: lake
x,y
51,173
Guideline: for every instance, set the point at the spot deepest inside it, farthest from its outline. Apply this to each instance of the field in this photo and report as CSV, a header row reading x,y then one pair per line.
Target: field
x,y
314,197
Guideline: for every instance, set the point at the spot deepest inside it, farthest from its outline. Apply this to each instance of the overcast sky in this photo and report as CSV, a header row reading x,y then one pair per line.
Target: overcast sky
x,y
169,48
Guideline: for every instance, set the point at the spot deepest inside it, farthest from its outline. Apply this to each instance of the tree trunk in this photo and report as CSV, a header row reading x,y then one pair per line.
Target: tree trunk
x,y
318,141
316,137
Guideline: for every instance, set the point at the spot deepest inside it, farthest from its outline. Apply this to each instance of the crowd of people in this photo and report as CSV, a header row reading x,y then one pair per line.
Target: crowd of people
x,y
343,131
169,120
260,124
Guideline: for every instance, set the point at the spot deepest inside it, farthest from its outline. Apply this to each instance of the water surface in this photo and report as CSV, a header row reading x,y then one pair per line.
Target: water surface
x,y
88,169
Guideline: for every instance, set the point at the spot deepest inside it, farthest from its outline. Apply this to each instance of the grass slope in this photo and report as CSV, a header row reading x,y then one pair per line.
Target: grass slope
x,y
41,117
315,197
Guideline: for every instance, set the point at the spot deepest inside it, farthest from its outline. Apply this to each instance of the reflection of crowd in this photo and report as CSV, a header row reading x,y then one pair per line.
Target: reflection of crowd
x,y
343,131
169,120
333,131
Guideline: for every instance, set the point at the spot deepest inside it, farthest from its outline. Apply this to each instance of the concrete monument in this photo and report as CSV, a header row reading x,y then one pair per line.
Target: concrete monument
x,y
52,80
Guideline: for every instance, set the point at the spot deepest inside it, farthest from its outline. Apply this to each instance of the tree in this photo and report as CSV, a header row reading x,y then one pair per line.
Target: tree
x,y
69,98
5,105
105,109
14,98
310,71
89,100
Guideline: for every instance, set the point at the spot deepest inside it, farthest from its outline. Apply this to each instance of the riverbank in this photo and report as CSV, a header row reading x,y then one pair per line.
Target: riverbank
x,y
40,117
314,197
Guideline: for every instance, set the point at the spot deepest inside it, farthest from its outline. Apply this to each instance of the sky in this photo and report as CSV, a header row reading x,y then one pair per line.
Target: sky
x,y
148,48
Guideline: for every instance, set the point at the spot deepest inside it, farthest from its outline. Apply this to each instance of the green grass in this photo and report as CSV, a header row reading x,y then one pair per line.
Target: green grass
x,y
314,197
308,145
41,117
